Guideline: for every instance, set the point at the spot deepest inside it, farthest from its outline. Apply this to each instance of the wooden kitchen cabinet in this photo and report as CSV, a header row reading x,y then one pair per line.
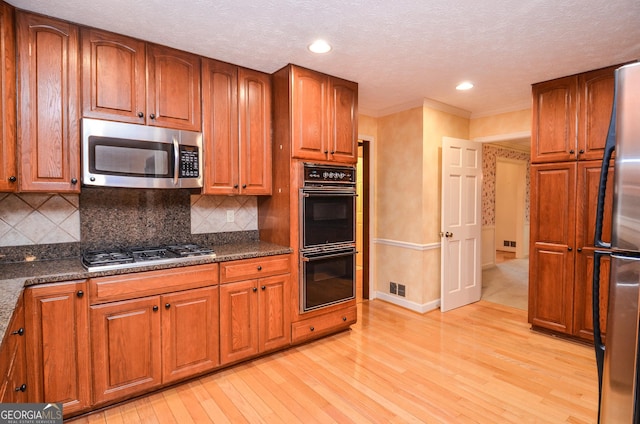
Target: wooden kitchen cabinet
x,y
113,76
254,311
57,342
189,333
563,211
13,368
126,348
8,171
128,80
323,121
571,116
152,328
48,102
237,129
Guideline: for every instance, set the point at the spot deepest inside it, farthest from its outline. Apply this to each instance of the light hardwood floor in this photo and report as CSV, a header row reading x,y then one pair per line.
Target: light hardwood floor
x,y
476,364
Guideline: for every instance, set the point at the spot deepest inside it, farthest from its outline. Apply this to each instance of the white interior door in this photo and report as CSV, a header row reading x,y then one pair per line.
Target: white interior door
x,y
461,273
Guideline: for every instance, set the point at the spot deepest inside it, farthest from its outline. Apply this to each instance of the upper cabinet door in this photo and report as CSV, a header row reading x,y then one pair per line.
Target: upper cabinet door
x,y
8,176
310,119
173,90
553,137
48,133
344,125
220,127
113,77
596,104
254,116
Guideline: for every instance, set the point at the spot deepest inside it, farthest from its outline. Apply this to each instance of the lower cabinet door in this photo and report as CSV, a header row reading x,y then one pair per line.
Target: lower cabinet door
x,y
189,333
57,345
275,322
238,321
126,348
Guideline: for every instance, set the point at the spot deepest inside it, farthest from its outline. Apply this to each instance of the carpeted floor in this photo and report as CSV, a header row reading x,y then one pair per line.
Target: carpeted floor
x,y
507,283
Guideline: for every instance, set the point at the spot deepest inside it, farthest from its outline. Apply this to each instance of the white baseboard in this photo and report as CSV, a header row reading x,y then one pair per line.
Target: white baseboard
x,y
407,304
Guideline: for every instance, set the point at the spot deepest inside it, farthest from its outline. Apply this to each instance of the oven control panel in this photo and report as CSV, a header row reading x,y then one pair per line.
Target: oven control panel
x,y
315,174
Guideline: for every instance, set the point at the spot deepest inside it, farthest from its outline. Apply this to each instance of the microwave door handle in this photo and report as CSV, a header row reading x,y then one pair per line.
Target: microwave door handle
x,y
176,161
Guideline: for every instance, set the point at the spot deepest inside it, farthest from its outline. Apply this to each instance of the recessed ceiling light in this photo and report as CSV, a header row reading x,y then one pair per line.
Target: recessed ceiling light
x,y
320,46
464,86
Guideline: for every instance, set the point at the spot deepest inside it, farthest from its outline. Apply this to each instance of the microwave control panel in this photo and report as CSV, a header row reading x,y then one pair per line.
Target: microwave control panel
x,y
189,162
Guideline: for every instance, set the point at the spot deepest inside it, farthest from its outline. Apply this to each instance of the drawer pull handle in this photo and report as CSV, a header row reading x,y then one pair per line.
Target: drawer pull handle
x,y
259,267
21,388
344,319
311,328
19,332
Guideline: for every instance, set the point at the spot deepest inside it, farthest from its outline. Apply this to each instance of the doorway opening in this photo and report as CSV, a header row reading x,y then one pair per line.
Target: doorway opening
x,y
362,220
505,272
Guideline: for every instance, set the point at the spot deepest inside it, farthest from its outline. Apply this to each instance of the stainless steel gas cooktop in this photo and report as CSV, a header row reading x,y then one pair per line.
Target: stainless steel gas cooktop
x,y
108,259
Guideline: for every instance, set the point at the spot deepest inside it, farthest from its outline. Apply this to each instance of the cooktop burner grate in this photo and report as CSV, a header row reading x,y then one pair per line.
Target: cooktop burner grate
x,y
108,259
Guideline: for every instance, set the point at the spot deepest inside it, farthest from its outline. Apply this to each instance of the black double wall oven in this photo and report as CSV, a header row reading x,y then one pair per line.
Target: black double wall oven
x,y
327,235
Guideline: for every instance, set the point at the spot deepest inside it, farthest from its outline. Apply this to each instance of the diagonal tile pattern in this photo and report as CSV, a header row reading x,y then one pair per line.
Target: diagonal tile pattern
x,y
212,214
36,218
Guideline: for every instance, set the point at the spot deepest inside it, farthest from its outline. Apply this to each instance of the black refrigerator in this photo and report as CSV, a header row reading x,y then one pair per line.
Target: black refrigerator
x,y
617,359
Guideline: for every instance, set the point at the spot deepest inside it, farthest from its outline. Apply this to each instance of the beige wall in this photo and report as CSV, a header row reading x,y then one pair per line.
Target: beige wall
x,y
500,124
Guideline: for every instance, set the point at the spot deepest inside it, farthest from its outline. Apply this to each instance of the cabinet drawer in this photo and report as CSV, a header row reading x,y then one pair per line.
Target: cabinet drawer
x,y
246,269
140,284
322,324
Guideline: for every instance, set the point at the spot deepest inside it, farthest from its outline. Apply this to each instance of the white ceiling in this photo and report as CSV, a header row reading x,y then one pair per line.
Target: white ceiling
x,y
399,51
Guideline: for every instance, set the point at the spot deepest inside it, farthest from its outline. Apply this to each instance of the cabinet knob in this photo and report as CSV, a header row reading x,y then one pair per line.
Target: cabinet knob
x,y
74,181
152,116
155,308
167,305
326,151
21,388
140,115
235,186
12,179
579,249
244,186
263,287
259,267
80,293
344,319
581,151
311,328
19,332
333,152
255,289
570,249
571,151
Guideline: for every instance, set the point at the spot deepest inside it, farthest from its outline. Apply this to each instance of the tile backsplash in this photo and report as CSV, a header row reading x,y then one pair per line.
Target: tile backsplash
x,y
100,217
36,218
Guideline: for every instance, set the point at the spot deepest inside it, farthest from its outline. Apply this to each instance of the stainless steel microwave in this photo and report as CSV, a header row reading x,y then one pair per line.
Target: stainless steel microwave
x,y
116,154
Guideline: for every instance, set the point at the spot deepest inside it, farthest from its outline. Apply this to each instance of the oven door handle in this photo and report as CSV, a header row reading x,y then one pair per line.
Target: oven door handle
x,y
317,256
328,194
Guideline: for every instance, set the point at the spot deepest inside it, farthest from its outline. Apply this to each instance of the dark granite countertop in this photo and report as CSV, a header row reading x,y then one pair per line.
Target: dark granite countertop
x,y
15,276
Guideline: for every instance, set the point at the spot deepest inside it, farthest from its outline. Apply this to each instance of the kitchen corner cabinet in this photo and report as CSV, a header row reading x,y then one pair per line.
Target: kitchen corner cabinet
x,y
571,116
563,209
237,129
8,175
48,102
323,121
57,342
13,369
128,80
254,313
171,333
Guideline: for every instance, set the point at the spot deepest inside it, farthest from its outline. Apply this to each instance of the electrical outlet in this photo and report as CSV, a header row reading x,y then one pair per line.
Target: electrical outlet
x,y
231,215
505,243
401,290
393,288
513,244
